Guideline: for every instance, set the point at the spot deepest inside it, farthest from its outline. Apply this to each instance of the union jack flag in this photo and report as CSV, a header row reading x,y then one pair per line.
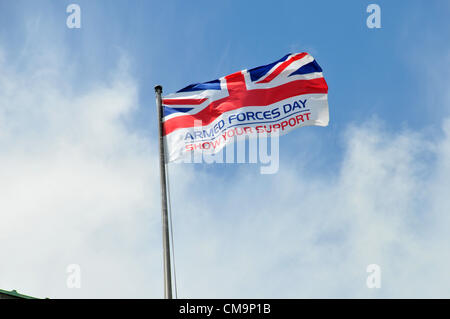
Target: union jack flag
x,y
266,96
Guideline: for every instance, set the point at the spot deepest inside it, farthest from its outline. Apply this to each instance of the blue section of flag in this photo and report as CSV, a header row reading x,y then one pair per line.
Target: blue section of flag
x,y
310,67
211,85
170,110
259,72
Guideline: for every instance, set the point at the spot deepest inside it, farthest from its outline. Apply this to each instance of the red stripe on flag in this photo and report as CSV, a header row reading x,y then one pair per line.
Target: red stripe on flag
x,y
183,101
241,97
281,67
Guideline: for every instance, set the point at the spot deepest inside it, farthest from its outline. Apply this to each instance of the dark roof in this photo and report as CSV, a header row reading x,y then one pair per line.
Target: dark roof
x,y
13,295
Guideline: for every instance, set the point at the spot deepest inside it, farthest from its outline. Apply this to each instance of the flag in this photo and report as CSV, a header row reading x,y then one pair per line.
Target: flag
x,y
274,98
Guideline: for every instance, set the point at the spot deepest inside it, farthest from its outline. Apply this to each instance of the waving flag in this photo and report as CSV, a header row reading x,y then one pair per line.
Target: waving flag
x,y
277,97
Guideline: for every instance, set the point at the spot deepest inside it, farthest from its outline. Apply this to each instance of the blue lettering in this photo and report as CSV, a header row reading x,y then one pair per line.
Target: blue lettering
x,y
275,113
198,134
205,133
257,116
295,105
287,108
242,118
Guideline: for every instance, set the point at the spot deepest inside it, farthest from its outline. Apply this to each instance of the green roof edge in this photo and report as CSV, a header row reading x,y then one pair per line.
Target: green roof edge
x,y
16,294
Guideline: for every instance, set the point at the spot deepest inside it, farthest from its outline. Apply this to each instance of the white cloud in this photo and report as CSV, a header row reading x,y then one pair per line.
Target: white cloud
x,y
79,186
314,237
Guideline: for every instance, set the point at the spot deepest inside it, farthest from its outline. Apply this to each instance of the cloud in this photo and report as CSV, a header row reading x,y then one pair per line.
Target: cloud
x,y
298,236
77,186
80,185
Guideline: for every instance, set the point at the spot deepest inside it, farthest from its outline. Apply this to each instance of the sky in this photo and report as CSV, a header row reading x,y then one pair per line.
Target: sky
x,y
79,174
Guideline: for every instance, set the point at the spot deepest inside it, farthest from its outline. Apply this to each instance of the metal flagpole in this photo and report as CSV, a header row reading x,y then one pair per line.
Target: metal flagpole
x,y
165,221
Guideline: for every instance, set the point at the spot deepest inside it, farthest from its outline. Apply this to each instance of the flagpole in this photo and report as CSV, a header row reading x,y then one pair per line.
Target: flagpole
x,y
164,215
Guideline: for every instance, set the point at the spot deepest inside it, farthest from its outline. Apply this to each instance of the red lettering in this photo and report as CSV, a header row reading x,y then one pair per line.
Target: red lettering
x,y
293,123
203,145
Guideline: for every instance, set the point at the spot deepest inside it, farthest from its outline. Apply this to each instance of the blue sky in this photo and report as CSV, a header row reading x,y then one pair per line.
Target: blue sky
x,y
83,100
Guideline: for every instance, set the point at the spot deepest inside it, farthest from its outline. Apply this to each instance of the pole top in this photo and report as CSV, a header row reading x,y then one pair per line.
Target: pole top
x,y
158,89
